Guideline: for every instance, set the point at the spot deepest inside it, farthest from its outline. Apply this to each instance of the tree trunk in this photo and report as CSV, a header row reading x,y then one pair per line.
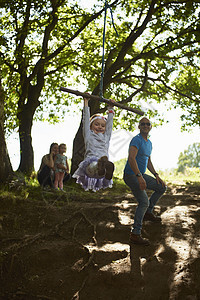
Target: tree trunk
x,y
5,164
26,165
25,116
78,149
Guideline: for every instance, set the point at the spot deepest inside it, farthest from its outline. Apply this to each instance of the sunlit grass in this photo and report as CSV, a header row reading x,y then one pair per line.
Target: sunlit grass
x,y
170,176
191,175
74,192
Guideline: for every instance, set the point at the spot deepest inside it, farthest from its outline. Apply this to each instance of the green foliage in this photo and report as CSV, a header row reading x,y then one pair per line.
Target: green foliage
x,y
31,191
35,44
174,176
154,48
47,44
189,77
164,36
189,158
190,175
119,167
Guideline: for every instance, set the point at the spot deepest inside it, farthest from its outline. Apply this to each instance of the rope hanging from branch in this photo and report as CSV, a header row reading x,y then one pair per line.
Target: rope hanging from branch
x,y
103,46
100,97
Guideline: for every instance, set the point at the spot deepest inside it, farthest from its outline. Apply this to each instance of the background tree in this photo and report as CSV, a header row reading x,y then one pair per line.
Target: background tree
x,y
157,45
45,42
189,158
36,44
5,165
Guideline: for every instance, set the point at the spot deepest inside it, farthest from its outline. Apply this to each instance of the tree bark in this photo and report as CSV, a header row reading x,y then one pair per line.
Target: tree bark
x,y
25,116
5,164
78,149
26,150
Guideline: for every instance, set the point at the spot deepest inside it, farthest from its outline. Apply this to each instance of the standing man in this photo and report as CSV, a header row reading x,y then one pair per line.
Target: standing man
x,y
139,160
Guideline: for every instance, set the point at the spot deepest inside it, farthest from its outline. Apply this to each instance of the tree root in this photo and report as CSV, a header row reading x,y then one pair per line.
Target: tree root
x,y
89,262
76,296
25,241
82,217
24,294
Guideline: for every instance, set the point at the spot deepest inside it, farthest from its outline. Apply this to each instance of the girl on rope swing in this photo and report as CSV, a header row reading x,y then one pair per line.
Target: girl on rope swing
x,y
95,171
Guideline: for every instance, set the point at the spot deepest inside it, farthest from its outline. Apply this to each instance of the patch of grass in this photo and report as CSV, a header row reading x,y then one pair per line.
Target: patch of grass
x,y
30,190
191,175
119,168
169,176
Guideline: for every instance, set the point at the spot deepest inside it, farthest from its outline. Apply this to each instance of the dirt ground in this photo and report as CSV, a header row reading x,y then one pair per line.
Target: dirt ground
x,y
74,247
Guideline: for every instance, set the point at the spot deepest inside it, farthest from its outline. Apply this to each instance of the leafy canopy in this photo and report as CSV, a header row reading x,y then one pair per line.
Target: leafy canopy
x,y
35,33
155,57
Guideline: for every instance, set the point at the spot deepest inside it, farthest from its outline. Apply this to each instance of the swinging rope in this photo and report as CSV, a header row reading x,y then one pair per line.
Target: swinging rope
x,y
103,51
100,97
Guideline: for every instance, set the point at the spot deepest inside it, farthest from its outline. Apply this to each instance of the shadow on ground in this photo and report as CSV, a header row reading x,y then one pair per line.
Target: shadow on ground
x,y
79,249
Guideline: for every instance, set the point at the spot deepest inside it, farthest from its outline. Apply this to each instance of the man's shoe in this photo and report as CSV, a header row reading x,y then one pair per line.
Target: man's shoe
x,y
109,170
102,165
138,240
151,217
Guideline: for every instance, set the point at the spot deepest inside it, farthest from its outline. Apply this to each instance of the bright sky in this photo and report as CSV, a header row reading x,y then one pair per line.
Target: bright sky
x,y
168,141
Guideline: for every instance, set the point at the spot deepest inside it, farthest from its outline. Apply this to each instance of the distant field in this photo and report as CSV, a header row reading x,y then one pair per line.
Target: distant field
x,y
190,174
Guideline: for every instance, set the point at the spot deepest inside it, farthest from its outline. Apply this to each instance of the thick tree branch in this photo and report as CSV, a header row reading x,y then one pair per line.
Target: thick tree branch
x,y
21,37
61,48
128,99
173,90
119,62
145,78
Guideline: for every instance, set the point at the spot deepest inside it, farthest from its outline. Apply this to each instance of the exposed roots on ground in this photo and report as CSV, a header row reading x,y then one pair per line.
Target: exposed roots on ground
x,y
55,249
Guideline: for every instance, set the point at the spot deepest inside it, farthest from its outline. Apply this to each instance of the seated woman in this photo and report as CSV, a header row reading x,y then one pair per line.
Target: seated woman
x,y
46,171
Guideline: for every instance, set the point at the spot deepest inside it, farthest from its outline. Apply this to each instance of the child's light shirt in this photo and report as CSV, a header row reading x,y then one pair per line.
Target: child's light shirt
x,y
96,144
